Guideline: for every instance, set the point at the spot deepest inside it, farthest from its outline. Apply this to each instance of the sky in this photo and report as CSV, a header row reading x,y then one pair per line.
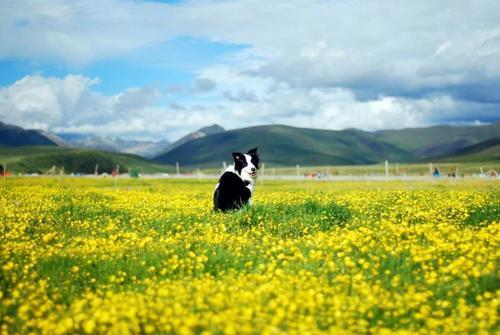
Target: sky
x,y
156,70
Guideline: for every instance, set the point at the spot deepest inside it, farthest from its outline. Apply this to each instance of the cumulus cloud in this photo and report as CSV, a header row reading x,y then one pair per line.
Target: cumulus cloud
x,y
35,101
70,104
339,109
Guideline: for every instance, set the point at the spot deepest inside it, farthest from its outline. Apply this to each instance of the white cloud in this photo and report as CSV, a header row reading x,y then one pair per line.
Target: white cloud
x,y
339,109
70,105
35,101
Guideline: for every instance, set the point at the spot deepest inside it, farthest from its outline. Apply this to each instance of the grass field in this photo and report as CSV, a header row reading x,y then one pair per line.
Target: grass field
x,y
97,256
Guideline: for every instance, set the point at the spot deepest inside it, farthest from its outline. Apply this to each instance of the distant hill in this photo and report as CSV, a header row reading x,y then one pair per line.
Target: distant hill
x,y
16,136
210,130
437,140
11,135
488,150
146,149
286,146
40,159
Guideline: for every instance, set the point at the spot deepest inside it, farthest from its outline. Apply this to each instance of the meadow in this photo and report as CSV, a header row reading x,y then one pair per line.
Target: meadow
x,y
137,256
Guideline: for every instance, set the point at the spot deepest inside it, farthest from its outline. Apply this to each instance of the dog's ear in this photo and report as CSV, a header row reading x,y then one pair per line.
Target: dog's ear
x,y
255,157
252,152
237,156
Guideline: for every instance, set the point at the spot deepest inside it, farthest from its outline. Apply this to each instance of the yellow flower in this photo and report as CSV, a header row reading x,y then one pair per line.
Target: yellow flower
x,y
88,326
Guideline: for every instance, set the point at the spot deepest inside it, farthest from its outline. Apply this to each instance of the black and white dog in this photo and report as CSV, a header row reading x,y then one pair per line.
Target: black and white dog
x,y
236,185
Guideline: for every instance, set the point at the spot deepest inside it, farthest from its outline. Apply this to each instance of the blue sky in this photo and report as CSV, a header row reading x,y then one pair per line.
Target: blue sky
x,y
160,69
169,63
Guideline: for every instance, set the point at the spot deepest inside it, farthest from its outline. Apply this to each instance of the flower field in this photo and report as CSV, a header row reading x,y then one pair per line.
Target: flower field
x,y
87,256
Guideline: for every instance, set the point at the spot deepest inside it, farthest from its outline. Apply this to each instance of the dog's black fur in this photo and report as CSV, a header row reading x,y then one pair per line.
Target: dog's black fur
x,y
236,184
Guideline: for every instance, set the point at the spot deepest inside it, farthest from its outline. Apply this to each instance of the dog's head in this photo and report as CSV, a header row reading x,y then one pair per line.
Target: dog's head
x,y
247,164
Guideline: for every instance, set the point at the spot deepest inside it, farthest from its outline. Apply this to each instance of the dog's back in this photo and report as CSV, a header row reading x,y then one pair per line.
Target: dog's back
x,y
231,193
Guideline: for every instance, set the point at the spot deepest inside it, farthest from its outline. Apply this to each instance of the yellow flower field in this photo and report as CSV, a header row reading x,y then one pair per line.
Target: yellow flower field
x,y
90,256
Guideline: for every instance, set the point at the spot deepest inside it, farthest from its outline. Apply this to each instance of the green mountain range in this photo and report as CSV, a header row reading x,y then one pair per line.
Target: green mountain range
x,y
437,141
287,146
488,150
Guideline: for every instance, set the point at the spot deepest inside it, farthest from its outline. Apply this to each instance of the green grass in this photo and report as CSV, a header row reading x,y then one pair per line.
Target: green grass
x,y
324,217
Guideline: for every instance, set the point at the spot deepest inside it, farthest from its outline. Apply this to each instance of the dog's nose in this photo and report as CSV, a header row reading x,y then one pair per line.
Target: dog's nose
x,y
252,169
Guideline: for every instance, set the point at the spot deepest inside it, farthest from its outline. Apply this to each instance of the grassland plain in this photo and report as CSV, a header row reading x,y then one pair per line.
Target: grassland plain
x,y
150,257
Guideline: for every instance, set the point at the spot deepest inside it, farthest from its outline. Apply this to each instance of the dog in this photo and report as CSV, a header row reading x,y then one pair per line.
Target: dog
x,y
236,185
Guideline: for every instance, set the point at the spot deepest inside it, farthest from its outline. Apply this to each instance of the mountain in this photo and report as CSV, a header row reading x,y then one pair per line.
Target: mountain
x,y
16,136
53,137
287,146
488,150
210,130
278,145
40,159
146,149
438,140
